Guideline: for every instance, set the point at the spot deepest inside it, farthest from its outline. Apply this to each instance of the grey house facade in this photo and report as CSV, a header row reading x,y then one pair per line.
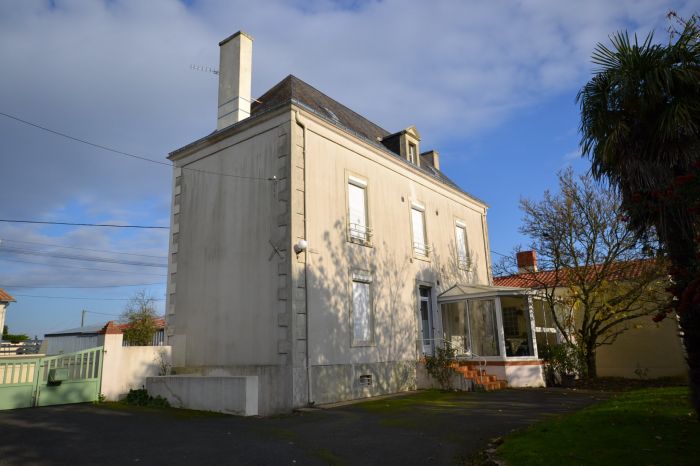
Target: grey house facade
x,y
309,246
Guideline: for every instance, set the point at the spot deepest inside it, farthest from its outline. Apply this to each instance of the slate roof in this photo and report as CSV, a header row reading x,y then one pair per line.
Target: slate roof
x,y
5,297
293,90
548,278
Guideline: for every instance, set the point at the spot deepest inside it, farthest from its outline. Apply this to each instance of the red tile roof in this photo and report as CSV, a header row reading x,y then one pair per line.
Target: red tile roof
x,y
549,278
114,327
5,297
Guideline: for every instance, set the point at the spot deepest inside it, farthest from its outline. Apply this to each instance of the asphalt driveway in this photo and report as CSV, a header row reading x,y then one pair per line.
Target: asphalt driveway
x,y
422,428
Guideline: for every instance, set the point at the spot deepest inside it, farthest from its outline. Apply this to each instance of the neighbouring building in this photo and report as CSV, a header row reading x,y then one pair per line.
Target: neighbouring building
x,y
647,349
90,336
319,256
5,300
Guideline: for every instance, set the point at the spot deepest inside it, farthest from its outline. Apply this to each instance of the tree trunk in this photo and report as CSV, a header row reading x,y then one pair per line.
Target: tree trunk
x,y
690,323
680,240
591,368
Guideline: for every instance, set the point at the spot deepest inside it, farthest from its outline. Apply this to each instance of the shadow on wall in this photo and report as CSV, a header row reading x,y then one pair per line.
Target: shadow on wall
x,y
340,362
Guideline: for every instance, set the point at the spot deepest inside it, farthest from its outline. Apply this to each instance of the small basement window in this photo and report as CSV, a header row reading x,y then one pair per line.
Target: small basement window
x,y
366,380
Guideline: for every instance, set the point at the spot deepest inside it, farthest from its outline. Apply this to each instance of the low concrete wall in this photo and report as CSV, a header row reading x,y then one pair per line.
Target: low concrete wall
x,y
518,376
230,395
127,367
274,387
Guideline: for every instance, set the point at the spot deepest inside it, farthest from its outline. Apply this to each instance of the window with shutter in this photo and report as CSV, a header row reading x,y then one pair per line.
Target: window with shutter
x,y
361,310
357,210
420,245
462,251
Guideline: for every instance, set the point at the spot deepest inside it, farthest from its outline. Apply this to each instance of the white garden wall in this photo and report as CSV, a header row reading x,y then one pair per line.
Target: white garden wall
x,y
127,367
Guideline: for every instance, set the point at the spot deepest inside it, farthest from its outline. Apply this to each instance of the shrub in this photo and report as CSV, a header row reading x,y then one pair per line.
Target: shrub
x,y
141,397
439,366
562,360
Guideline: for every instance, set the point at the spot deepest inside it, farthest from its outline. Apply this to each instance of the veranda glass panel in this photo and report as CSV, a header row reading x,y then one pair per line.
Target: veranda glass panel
x,y
482,326
454,324
546,330
516,326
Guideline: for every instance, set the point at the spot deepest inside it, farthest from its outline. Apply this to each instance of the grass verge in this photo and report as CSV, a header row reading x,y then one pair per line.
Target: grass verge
x,y
655,426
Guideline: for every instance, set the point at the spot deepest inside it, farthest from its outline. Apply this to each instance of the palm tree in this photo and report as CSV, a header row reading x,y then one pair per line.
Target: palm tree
x,y
640,126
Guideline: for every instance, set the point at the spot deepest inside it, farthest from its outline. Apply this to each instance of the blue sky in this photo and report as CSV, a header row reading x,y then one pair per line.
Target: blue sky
x,y
490,85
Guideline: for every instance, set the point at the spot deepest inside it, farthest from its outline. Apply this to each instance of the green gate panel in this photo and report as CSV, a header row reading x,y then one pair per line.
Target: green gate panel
x,y
51,380
18,379
68,392
16,396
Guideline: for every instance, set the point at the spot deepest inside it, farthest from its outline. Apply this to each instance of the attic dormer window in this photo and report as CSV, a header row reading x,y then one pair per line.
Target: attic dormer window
x,y
412,153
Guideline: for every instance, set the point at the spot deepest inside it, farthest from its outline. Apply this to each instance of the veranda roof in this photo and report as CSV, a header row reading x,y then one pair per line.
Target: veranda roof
x,y
460,291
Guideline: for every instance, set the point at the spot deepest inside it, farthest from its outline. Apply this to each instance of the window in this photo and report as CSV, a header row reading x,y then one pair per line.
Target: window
x,y
420,246
411,152
357,209
461,240
361,309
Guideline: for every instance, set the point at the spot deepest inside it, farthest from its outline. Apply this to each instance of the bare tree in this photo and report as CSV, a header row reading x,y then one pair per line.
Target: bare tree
x,y
597,275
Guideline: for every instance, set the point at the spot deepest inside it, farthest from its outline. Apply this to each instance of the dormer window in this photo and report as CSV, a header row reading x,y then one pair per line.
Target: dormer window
x,y
405,143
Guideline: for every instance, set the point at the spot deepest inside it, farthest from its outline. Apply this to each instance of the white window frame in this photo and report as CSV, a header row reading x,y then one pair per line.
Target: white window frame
x,y
358,233
419,250
412,155
463,261
364,278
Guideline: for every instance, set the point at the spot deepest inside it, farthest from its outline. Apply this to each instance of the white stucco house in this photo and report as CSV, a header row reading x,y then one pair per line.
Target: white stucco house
x,y
5,300
320,256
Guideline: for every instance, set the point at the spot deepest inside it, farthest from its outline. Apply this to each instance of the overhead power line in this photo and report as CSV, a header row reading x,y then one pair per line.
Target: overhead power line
x,y
62,266
101,313
53,245
59,255
4,285
109,225
80,297
128,154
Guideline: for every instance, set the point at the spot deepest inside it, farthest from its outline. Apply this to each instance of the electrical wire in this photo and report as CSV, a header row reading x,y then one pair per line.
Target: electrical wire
x,y
110,225
81,249
128,154
82,268
81,298
106,260
101,313
70,287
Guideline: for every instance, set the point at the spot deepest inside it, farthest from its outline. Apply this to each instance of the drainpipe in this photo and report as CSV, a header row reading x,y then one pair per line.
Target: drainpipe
x,y
306,264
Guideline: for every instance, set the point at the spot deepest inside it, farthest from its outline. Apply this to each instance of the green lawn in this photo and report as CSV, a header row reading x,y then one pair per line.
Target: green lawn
x,y
655,426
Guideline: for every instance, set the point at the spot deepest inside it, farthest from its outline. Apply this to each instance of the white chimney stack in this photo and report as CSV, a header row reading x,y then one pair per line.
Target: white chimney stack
x,y
235,76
